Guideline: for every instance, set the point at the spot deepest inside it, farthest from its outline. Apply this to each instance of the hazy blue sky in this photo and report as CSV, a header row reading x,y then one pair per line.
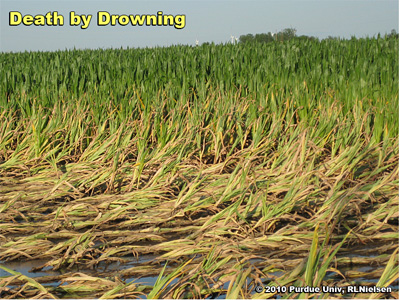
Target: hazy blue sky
x,y
206,21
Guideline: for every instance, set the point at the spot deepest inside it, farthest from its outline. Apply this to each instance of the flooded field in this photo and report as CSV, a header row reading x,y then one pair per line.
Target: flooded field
x,y
201,172
114,246
365,271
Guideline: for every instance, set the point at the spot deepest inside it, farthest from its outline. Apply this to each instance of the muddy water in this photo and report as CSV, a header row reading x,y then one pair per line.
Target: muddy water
x,y
50,278
362,274
25,267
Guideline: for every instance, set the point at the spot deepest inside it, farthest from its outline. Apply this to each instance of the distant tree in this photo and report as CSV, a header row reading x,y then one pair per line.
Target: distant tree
x,y
306,37
289,33
264,37
393,33
246,38
284,35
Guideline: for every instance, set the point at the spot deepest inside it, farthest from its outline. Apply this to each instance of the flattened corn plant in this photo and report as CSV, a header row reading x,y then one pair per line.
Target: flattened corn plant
x,y
232,166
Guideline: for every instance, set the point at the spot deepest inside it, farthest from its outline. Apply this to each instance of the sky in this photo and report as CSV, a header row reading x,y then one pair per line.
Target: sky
x,y
205,21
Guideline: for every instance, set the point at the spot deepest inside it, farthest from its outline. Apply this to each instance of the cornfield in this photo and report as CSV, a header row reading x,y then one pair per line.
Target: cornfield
x,y
231,166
